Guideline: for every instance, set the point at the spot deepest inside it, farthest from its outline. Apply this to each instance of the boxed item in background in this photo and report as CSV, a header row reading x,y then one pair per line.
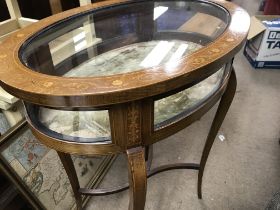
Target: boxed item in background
x,y
263,46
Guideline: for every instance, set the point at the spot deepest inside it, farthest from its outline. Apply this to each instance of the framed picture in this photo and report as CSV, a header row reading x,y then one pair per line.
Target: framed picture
x,y
4,124
38,173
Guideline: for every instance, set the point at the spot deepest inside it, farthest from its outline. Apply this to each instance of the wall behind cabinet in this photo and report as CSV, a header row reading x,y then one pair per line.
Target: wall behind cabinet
x,y
4,13
35,9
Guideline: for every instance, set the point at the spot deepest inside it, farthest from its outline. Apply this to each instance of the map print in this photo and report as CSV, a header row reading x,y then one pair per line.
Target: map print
x,y
41,170
4,125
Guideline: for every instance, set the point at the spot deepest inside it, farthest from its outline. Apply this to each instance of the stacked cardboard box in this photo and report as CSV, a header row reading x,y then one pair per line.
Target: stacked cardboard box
x,y
263,46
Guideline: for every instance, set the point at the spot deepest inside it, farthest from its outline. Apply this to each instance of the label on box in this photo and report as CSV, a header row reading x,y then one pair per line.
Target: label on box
x,y
263,46
270,47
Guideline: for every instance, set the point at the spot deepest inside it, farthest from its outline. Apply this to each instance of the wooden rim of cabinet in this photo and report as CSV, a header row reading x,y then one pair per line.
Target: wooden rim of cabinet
x,y
61,92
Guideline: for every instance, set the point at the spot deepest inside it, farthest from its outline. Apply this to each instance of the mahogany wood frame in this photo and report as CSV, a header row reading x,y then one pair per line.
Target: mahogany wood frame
x,y
135,134
34,87
9,172
129,98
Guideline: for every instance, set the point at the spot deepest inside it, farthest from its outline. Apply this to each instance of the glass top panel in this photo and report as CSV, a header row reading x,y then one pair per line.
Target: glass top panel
x,y
124,38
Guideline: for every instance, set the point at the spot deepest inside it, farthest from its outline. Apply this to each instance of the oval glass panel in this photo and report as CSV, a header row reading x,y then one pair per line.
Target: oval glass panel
x,y
124,38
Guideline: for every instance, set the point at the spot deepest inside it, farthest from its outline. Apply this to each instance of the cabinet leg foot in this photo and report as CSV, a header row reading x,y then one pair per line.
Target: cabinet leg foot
x,y
68,165
137,178
216,124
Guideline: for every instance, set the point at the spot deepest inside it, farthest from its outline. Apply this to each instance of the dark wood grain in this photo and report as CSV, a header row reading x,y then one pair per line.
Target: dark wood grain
x,y
221,112
137,178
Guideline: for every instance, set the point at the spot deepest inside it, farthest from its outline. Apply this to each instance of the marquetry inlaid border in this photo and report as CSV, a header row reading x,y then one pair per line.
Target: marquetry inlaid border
x,y
55,91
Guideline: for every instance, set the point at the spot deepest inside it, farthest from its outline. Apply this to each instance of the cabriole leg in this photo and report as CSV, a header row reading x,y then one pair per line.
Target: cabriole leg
x,y
72,176
216,124
137,178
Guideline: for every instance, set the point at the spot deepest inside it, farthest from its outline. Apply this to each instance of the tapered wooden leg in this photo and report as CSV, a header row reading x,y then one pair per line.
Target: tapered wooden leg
x,y
72,175
137,178
216,124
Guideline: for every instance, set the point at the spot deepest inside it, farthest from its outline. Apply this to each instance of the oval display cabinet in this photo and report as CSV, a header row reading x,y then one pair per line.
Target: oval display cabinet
x,y
119,76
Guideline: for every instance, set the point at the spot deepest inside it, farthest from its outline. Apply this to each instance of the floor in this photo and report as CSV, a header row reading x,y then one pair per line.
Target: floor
x,y
242,172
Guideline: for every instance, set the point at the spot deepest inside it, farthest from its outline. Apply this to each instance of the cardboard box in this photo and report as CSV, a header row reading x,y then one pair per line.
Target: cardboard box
x,y
263,45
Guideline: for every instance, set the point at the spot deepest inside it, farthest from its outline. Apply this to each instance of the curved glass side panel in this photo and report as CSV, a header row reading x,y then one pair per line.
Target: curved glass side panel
x,y
174,105
75,126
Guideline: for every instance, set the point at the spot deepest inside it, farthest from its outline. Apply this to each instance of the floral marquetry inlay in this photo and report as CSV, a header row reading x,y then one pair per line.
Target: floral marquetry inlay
x,y
3,56
134,124
48,84
117,82
20,35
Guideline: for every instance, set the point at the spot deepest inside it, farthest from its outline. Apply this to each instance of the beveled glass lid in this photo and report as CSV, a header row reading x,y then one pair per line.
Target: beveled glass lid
x,y
90,56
